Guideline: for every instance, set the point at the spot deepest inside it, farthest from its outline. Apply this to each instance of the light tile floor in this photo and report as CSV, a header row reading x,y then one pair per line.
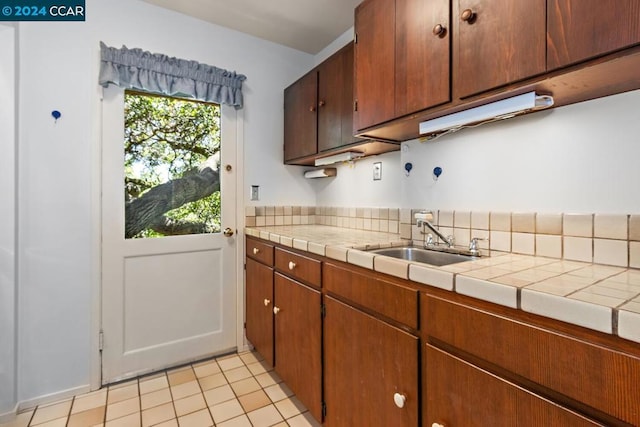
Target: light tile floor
x,y
230,391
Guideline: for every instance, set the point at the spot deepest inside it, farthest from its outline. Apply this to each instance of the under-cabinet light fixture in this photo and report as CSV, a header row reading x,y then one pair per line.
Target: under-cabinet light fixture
x,y
337,158
498,110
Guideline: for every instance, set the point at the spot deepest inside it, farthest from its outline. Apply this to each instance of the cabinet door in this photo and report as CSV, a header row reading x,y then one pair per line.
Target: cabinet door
x,y
300,117
329,103
374,62
298,341
366,363
582,29
259,308
503,41
458,393
422,55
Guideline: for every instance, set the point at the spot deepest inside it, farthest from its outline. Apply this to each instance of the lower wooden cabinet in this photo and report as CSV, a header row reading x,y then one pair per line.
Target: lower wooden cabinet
x,y
360,348
259,308
457,393
298,332
370,371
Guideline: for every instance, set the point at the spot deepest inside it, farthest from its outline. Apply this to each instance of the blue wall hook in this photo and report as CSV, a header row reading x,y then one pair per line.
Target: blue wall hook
x,y
56,114
407,168
437,171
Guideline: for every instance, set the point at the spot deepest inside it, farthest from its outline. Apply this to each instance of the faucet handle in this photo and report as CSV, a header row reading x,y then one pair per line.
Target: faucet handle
x,y
429,241
473,245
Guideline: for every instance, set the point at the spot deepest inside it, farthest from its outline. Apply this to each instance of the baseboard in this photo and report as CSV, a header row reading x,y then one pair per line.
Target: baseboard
x,y
9,416
43,400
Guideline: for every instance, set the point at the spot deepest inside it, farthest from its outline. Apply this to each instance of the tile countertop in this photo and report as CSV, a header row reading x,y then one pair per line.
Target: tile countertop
x,y
599,297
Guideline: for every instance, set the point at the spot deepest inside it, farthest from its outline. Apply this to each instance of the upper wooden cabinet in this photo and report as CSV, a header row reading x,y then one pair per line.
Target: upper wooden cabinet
x,y
401,58
300,117
335,100
574,50
318,110
496,42
582,29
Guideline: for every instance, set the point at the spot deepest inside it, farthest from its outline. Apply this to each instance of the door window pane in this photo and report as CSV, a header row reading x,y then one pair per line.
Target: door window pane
x,y
171,163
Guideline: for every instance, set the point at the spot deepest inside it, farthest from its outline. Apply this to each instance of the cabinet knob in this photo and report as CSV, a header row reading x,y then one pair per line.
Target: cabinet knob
x,y
439,30
292,265
321,104
266,302
255,251
276,310
312,108
468,16
437,425
399,400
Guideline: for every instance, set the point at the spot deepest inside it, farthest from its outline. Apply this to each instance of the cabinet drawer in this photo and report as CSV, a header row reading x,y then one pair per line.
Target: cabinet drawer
x,y
599,377
389,299
307,270
260,251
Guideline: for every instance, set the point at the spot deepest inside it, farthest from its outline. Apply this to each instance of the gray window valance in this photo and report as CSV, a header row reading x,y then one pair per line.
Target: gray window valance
x,y
157,73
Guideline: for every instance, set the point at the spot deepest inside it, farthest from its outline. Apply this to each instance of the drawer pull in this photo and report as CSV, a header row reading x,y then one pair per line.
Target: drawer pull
x,y
399,400
276,310
255,251
266,302
292,265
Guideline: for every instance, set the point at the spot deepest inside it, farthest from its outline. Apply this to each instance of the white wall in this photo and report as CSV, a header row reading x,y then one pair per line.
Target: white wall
x,y
354,184
578,158
60,161
7,219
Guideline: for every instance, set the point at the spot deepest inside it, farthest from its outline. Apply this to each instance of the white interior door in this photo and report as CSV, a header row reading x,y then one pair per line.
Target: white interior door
x,y
167,300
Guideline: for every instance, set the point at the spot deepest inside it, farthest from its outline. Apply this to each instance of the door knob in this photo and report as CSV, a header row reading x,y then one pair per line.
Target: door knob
x,y
276,310
228,232
266,302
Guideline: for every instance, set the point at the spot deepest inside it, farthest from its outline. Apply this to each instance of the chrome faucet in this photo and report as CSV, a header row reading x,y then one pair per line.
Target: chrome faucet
x,y
423,222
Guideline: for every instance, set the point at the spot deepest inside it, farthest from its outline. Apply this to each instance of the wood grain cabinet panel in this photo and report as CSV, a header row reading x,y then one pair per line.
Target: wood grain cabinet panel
x,y
497,42
402,63
375,28
585,372
335,100
367,362
259,308
318,110
422,55
298,335
582,29
300,117
393,301
305,269
260,251
460,394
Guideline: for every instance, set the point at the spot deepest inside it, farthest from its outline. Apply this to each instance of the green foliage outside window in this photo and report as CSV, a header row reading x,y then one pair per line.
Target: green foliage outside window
x,y
172,148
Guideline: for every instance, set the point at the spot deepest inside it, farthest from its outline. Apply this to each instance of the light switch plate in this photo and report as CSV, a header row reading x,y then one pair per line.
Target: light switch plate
x,y
255,192
377,171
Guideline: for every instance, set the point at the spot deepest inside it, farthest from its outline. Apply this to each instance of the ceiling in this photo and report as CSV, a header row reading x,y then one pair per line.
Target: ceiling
x,y
306,25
